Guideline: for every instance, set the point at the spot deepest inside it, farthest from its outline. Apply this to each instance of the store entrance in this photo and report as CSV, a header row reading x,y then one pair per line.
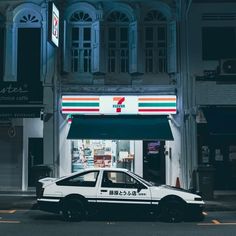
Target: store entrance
x,y
120,141
219,152
154,161
217,144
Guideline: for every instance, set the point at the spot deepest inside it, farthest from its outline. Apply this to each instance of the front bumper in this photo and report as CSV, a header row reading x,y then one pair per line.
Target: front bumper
x,y
195,211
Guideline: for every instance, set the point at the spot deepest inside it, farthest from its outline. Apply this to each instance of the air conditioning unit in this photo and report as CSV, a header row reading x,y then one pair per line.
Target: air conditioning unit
x,y
228,66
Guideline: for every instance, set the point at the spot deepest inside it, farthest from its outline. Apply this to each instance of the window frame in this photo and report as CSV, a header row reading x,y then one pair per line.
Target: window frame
x,y
25,15
134,185
66,182
81,26
114,54
156,61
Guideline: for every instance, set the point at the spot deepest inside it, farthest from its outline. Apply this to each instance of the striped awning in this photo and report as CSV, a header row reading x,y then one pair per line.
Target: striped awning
x,y
120,127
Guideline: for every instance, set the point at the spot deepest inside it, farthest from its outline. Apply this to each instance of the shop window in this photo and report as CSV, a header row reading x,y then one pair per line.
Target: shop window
x,y
81,42
102,153
118,43
155,42
218,43
2,53
28,54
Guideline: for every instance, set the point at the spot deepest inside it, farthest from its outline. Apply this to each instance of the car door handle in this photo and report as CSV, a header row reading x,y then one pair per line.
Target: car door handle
x,y
103,191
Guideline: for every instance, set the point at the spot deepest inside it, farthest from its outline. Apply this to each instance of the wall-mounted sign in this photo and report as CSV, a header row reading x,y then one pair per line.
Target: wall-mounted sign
x,y
19,112
53,24
14,93
118,104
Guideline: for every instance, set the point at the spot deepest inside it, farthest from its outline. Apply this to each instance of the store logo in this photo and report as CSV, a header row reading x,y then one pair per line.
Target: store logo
x,y
55,25
119,103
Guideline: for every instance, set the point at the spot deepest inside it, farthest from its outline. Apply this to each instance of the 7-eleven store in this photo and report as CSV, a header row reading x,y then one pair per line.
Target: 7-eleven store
x,y
132,132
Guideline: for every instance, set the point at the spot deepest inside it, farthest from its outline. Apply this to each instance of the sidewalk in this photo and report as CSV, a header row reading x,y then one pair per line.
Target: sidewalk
x,y
10,200
223,201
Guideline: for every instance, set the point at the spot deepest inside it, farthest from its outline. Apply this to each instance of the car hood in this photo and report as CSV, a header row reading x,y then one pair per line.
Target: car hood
x,y
161,191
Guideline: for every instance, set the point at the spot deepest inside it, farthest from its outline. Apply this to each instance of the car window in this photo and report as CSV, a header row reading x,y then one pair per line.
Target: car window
x,y
87,179
142,180
115,179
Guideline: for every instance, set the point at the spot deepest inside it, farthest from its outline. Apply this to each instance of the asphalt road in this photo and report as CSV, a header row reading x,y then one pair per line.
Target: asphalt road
x,y
34,222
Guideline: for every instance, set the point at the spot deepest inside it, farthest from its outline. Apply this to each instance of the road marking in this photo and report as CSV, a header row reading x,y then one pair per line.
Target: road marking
x,y
111,223
10,221
7,211
216,222
213,224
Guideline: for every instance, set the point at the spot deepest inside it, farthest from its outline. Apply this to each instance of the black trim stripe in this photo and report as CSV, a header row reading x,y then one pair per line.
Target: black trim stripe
x,y
122,200
45,197
108,199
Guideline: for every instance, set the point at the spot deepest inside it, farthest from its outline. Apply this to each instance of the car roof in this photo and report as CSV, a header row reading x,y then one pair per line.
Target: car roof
x,y
107,168
96,169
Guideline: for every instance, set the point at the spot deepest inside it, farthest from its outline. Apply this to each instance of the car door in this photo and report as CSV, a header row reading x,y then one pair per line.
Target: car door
x,y
119,190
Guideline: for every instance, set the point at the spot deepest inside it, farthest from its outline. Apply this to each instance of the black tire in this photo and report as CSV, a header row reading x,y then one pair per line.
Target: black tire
x,y
171,211
73,210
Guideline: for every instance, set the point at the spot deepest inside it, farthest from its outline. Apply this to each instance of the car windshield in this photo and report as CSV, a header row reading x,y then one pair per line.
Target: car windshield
x,y
142,180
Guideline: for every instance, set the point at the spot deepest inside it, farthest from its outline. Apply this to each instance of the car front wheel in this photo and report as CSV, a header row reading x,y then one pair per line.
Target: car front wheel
x,y
73,210
171,211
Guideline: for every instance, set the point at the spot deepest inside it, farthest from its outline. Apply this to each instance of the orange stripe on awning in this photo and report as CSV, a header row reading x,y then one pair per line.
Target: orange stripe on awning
x,y
80,99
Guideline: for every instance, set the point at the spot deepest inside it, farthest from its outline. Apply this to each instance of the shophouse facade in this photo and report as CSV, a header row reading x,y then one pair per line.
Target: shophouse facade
x,y
113,51
108,51
211,30
26,75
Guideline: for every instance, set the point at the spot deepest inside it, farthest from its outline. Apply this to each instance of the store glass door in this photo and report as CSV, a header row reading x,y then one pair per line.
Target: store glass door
x,y
154,161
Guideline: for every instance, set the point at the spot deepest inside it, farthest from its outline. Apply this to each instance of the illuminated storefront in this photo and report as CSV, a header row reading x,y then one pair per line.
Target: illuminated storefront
x,y
105,130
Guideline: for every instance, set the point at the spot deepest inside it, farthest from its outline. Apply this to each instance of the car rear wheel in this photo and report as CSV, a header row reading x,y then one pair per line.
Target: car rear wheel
x,y
73,210
171,211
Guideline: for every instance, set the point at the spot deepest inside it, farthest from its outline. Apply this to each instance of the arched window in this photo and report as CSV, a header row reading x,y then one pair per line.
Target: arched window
x,y
28,54
81,23
155,26
118,42
26,43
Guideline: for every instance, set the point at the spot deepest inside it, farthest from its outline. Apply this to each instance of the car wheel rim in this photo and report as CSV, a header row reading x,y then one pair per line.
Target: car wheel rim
x,y
171,213
71,212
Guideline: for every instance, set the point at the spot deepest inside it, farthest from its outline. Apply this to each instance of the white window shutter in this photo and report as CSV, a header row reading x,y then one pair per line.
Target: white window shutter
x,y
136,63
98,48
171,48
67,48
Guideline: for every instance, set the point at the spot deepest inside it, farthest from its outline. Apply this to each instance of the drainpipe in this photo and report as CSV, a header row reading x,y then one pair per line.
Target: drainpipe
x,y
184,74
188,121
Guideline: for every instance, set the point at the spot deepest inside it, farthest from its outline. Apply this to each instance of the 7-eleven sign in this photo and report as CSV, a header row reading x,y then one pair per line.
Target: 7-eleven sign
x,y
118,105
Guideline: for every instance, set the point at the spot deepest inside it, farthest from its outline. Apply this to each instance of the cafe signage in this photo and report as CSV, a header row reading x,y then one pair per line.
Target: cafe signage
x,y
15,93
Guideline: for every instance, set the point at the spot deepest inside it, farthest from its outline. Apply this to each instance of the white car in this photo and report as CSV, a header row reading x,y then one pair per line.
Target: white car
x,y
117,190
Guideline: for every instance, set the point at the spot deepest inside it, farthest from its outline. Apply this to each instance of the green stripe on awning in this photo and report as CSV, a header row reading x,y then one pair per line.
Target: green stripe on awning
x,y
128,127
157,104
80,104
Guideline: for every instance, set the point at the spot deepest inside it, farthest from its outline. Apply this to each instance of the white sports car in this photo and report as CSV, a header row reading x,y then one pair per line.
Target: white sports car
x,y
117,190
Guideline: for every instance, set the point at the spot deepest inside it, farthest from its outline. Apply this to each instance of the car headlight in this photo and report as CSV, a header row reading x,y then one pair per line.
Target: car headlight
x,y
197,199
